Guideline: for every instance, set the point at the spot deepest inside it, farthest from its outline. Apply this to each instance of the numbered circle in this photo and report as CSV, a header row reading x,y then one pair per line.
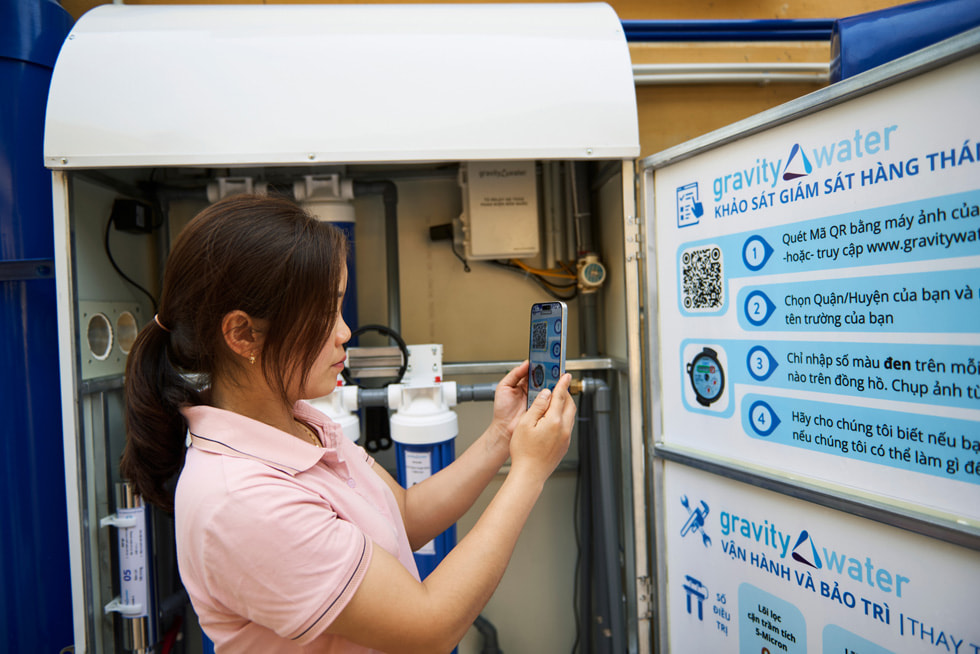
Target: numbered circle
x,y
762,418
555,372
760,363
755,253
556,349
558,326
758,308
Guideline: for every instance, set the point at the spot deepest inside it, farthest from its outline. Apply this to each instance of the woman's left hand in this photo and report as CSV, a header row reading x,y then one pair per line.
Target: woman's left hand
x,y
510,399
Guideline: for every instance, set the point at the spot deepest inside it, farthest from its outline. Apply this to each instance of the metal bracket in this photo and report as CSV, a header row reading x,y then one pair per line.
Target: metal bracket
x,y
126,610
118,522
25,269
644,598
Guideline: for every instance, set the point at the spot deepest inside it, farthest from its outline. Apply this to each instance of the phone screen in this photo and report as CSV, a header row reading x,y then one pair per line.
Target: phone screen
x,y
547,347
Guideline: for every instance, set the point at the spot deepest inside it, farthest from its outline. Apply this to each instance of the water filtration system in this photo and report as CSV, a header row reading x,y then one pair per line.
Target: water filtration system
x,y
494,137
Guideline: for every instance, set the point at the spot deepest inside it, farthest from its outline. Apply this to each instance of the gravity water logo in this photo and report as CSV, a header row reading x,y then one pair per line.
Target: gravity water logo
x,y
797,165
802,161
865,571
764,172
806,555
764,533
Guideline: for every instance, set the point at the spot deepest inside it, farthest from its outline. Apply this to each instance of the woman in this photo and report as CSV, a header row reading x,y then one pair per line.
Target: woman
x,y
289,537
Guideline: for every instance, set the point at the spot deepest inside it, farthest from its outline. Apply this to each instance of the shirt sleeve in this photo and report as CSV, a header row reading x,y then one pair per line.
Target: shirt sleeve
x,y
282,558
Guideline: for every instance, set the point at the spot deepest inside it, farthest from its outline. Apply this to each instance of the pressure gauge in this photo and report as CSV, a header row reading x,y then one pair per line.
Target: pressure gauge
x,y
707,376
591,273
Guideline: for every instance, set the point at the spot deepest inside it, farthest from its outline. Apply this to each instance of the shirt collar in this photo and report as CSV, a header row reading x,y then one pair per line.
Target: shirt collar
x,y
225,432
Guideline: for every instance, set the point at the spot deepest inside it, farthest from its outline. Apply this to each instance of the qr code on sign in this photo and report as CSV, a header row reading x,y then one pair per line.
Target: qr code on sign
x,y
702,279
539,336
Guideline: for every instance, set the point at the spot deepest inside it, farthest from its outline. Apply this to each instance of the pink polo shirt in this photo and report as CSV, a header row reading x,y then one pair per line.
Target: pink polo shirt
x,y
274,535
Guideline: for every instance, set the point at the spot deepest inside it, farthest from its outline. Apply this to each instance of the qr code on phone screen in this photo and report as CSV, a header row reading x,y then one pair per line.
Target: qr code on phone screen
x,y
539,336
702,279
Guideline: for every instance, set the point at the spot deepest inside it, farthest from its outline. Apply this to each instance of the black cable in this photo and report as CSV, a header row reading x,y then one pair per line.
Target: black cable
x,y
466,265
542,282
108,252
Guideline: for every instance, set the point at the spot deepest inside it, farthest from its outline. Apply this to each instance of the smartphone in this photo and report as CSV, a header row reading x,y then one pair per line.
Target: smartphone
x,y
546,350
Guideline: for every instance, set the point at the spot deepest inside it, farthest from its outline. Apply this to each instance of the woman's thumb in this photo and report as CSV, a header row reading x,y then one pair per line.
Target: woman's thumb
x,y
540,404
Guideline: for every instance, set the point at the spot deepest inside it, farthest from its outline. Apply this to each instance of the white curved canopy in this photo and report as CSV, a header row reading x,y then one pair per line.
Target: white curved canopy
x,y
274,84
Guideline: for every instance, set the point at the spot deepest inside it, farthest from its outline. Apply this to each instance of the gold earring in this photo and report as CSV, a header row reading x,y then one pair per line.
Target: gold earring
x,y
251,360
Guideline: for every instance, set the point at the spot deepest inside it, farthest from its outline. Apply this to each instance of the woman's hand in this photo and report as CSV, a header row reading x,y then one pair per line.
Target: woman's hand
x,y
509,400
543,432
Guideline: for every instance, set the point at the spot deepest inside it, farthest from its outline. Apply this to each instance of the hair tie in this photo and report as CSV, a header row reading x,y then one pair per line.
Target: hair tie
x,y
156,319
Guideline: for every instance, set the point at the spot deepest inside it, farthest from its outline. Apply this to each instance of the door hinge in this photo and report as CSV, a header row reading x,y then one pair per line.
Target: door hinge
x,y
644,598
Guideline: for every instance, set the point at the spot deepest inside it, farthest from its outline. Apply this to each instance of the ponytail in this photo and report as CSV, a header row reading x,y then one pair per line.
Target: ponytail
x,y
155,429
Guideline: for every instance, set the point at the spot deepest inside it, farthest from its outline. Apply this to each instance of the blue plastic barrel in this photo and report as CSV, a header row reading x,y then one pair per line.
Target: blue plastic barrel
x,y
35,590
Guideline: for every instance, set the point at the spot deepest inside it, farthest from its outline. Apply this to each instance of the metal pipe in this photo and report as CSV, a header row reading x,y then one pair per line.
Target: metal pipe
x,y
557,235
367,397
548,213
734,67
585,597
134,561
372,397
581,194
503,367
606,515
476,393
731,73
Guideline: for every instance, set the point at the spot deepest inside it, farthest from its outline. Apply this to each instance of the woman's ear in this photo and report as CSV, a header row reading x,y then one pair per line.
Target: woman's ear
x,y
242,335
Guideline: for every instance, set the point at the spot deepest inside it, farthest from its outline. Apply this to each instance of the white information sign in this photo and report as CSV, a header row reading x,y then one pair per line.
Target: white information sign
x,y
752,571
133,567
819,296
418,468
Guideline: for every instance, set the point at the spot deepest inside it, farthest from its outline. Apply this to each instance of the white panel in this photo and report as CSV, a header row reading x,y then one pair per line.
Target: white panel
x,y
750,570
827,267
242,85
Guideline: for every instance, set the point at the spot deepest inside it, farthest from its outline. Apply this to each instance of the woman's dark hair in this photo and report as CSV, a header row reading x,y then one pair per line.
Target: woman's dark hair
x,y
262,255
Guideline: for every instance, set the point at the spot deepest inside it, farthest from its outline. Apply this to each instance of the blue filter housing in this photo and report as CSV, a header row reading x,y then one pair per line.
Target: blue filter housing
x,y
330,199
417,462
349,307
862,42
35,588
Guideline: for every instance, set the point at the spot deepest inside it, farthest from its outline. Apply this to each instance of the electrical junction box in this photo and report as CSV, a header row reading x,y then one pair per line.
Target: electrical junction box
x,y
500,210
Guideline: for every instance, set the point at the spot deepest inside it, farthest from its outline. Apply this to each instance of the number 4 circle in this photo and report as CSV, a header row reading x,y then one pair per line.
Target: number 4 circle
x,y
762,418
